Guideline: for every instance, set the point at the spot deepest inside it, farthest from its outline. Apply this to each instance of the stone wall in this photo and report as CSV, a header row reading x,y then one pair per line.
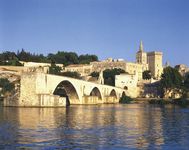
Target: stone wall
x,y
28,96
12,68
98,66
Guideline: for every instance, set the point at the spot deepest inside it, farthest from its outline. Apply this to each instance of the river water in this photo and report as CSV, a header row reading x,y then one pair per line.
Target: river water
x,y
133,126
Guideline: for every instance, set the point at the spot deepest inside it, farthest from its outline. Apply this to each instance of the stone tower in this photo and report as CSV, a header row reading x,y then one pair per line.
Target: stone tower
x,y
155,63
141,56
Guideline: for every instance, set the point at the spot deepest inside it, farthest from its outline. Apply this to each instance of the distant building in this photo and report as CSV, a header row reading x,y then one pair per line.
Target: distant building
x,y
153,60
144,61
135,68
38,64
126,81
82,69
141,56
183,69
155,63
107,64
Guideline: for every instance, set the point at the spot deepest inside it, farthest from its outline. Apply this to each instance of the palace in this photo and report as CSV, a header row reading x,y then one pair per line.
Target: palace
x,y
144,61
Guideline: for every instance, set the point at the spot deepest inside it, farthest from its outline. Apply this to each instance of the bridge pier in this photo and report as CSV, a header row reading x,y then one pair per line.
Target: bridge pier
x,y
46,100
91,100
110,100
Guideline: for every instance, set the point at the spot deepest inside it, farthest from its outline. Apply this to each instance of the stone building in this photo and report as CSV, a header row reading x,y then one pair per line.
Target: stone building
x,y
141,56
82,69
155,63
128,82
38,64
135,68
108,64
144,61
151,61
183,69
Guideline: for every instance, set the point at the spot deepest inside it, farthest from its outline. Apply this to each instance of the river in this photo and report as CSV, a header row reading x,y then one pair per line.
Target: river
x,y
131,126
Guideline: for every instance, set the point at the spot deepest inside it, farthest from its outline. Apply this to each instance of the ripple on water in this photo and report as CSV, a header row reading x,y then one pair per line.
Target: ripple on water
x,y
134,126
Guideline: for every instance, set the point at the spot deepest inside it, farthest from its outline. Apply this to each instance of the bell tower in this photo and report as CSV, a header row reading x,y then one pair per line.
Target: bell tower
x,y
141,56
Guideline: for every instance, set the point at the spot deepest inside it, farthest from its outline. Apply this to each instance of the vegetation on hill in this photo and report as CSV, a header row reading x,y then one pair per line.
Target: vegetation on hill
x,y
56,70
61,57
171,80
86,59
95,74
68,58
28,57
9,58
186,81
65,58
53,69
183,102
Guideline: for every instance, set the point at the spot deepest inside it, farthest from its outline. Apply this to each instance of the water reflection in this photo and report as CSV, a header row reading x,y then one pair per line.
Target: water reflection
x,y
96,127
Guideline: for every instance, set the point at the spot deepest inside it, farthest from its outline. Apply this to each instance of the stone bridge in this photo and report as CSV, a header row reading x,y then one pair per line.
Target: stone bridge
x,y
40,89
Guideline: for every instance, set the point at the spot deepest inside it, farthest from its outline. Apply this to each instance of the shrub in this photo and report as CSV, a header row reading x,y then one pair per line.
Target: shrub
x,y
181,102
125,100
159,101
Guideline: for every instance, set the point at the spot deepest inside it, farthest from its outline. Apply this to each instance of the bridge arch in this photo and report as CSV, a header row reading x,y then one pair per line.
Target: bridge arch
x,y
113,93
96,92
67,89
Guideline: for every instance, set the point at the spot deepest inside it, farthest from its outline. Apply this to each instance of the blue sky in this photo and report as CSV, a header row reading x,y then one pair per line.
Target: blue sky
x,y
107,28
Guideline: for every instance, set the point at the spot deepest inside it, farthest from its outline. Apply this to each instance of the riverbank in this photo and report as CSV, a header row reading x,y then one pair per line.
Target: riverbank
x,y
181,101
184,102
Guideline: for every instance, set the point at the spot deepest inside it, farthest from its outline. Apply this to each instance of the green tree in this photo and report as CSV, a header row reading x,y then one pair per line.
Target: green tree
x,y
95,74
186,81
53,69
86,59
109,75
7,55
9,58
171,79
65,58
27,56
146,75
61,57
24,56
